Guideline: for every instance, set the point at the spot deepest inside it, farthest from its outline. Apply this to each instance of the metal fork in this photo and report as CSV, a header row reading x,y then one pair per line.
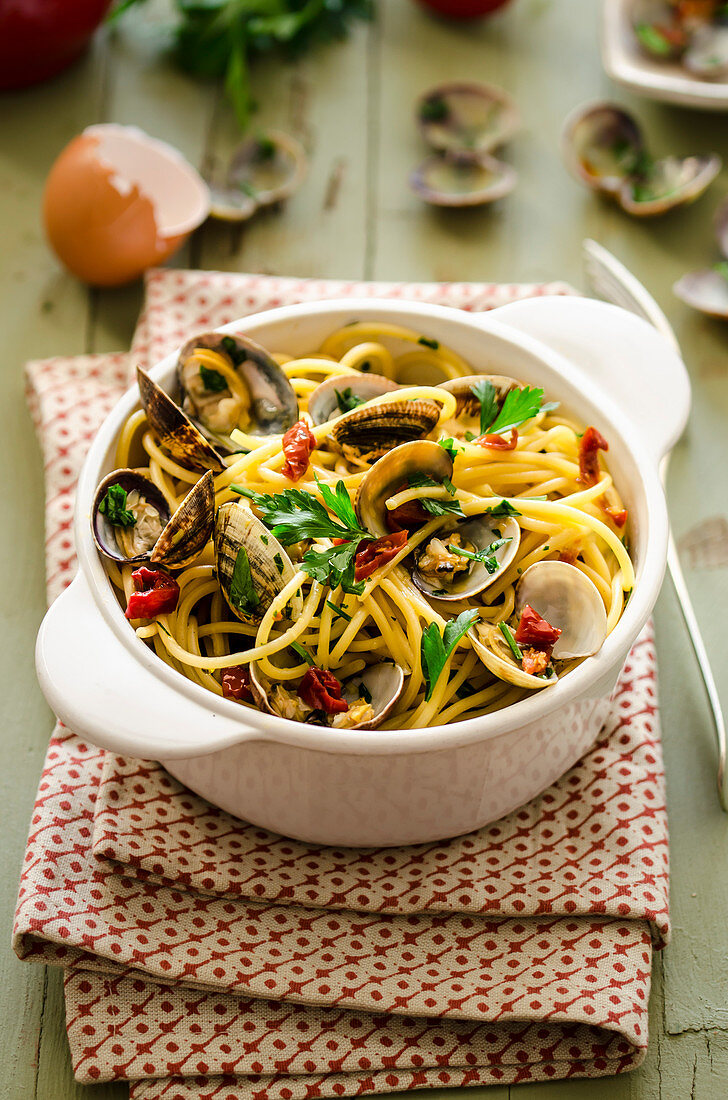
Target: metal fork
x,y
611,280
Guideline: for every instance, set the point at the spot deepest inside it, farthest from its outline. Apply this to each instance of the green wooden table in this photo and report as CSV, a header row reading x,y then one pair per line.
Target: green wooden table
x,y
351,105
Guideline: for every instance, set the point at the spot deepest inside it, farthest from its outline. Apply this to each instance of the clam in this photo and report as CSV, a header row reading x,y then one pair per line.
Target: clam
x,y
176,433
466,118
444,574
707,54
391,473
263,170
707,290
563,596
242,540
368,433
132,521
340,394
371,694
246,390
659,28
567,599
604,147
456,179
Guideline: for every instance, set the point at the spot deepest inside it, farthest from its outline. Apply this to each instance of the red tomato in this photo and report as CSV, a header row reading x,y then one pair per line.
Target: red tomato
x,y
322,691
499,442
156,594
39,38
378,553
463,9
591,443
298,442
535,631
235,682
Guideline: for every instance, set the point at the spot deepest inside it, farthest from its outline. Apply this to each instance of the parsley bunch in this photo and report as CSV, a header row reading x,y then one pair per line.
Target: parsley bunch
x,y
216,39
436,648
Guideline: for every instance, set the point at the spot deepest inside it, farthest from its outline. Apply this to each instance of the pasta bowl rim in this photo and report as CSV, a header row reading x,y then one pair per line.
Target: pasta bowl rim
x,y
252,725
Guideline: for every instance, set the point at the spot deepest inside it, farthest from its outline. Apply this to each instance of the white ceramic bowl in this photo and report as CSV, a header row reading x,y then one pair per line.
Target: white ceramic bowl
x,y
379,787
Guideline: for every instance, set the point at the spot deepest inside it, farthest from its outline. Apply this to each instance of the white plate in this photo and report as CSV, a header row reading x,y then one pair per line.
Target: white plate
x,y
626,64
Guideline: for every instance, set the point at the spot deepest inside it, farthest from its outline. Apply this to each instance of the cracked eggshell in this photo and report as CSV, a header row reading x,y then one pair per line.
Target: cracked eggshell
x,y
117,201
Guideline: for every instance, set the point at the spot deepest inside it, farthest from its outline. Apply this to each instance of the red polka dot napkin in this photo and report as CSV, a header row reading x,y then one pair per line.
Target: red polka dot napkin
x,y
207,958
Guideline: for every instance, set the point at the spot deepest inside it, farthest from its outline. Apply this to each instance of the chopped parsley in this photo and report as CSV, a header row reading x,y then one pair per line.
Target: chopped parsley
x,y
264,540
451,447
338,611
294,514
437,507
487,395
434,109
234,352
505,508
722,269
278,562
346,400
302,653
486,556
212,380
427,342
364,692
653,40
113,506
242,591
512,645
436,648
519,405
470,436
265,149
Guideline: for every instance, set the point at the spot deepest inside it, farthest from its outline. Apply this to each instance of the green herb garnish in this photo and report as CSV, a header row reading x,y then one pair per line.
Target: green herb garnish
x,y
437,507
512,645
113,506
486,556
436,648
302,653
427,342
338,611
505,508
364,692
518,407
434,109
451,447
212,380
346,400
294,514
234,353
278,562
487,395
470,436
653,40
265,148
722,269
242,591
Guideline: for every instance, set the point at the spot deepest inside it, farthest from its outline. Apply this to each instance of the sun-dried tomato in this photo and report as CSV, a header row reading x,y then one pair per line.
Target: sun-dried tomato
x,y
406,516
236,683
378,553
591,443
535,661
569,556
298,442
156,594
618,516
535,631
320,689
499,442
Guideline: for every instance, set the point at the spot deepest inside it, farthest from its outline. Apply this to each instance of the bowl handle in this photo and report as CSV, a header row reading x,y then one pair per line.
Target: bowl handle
x,y
627,358
88,675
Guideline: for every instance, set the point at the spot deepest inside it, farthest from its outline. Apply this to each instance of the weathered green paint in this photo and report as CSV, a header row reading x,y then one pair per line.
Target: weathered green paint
x,y
355,217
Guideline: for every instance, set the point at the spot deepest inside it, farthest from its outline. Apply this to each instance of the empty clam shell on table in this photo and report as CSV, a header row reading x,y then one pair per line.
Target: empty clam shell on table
x,y
707,290
467,118
267,168
453,179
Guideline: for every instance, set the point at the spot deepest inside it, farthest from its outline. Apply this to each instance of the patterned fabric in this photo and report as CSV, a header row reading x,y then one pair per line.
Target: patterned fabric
x,y
207,958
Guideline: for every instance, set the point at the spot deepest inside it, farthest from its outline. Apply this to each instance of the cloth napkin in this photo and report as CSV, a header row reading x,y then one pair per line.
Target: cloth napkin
x,y
207,958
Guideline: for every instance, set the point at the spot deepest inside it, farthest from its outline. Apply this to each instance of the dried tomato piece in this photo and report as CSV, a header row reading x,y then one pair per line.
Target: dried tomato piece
x,y
156,593
235,682
320,689
499,442
378,553
298,442
535,631
618,516
591,443
535,661
406,516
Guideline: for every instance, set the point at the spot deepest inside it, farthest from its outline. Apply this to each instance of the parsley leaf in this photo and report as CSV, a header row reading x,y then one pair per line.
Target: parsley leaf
x,y
346,400
335,567
519,406
653,40
722,269
339,611
113,506
302,653
436,507
512,645
505,508
212,380
242,591
429,343
451,447
486,556
487,395
436,648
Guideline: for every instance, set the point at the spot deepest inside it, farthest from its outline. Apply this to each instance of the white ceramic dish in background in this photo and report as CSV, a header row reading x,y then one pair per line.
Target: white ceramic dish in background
x,y
385,787
668,81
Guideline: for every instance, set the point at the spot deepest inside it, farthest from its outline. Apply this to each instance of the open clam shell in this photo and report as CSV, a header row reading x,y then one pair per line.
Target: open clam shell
x,y
467,118
176,433
368,433
462,388
706,291
238,529
152,514
264,170
566,598
668,182
707,53
190,528
382,683
253,393
493,650
391,472
327,399
471,577
458,180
